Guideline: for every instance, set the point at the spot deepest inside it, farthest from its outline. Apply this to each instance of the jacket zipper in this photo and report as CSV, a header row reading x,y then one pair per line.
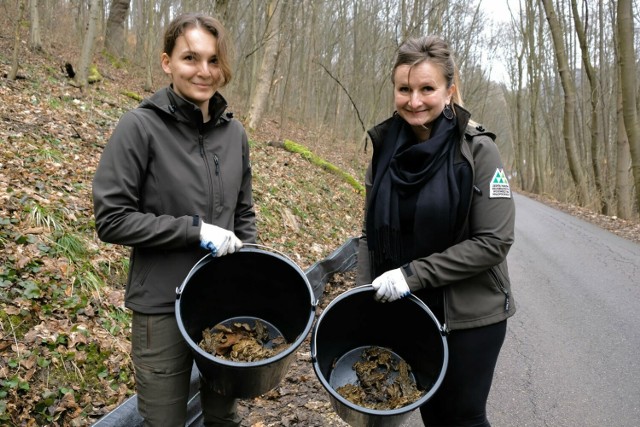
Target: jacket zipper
x,y
219,205
474,189
217,163
504,290
203,153
469,160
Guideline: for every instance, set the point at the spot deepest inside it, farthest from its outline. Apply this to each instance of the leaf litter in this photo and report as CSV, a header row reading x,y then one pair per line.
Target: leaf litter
x,y
384,381
241,342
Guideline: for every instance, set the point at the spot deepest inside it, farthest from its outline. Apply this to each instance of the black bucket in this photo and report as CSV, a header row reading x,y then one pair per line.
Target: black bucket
x,y
406,327
252,284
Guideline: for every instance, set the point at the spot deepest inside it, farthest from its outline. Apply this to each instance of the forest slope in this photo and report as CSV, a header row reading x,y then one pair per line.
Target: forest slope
x,y
64,350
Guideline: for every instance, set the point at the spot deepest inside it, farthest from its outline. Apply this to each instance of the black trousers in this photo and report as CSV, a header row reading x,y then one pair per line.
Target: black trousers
x,y
461,399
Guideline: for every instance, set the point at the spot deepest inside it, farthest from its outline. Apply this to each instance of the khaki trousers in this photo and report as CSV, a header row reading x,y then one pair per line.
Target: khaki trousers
x,y
163,361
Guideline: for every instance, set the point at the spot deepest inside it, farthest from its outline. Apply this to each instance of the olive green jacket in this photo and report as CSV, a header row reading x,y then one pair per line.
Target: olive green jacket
x,y
473,272
161,175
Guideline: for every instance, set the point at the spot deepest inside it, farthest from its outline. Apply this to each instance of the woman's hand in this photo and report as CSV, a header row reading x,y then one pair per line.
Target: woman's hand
x,y
218,240
390,286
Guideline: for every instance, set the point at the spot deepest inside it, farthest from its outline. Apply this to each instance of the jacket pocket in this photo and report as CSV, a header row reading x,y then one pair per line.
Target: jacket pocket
x,y
142,263
500,282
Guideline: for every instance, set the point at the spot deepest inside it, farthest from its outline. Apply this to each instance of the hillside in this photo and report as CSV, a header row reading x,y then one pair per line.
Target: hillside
x,y
64,349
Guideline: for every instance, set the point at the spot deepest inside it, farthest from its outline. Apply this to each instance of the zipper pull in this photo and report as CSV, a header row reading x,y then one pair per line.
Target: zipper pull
x,y
506,303
217,162
201,145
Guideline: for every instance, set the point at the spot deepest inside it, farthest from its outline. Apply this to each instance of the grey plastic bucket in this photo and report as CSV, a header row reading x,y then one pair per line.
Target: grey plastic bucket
x,y
250,284
407,327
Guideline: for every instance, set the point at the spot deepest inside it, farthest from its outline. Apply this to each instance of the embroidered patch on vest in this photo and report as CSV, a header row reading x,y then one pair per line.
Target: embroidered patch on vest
x,y
499,187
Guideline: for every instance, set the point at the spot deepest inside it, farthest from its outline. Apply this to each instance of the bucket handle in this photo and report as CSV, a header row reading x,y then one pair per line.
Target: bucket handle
x,y
204,258
180,288
267,248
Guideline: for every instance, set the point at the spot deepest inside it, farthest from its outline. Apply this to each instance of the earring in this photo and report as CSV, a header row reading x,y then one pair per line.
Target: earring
x,y
448,112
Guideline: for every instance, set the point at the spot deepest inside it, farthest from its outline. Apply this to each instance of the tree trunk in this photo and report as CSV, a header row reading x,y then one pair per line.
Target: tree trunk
x,y
15,63
568,87
139,23
114,39
623,161
600,200
88,45
148,45
539,156
221,8
35,40
533,79
265,76
628,75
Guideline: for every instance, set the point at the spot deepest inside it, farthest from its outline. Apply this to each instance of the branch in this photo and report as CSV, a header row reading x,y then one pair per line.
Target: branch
x,y
364,129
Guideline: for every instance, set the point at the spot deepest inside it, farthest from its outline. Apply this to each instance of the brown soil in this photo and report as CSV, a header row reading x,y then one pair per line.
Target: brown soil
x,y
300,399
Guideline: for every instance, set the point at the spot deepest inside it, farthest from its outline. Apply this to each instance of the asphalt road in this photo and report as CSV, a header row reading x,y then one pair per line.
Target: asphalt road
x,y
571,356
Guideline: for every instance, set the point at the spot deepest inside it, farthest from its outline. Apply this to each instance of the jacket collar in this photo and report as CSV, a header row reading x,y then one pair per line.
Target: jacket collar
x,y
169,102
463,118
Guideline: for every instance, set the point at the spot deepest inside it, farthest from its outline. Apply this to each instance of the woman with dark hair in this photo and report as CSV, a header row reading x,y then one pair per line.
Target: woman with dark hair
x,y
439,222
174,182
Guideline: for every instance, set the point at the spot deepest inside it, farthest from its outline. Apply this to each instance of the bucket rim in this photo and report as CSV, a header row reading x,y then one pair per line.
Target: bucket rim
x,y
248,247
378,412
293,347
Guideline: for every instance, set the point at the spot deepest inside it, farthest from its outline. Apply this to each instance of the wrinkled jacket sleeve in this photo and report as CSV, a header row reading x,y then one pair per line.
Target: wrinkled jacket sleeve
x,y
245,216
491,230
364,268
117,195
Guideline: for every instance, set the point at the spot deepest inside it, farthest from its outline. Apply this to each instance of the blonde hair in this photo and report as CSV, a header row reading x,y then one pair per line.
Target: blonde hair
x,y
435,50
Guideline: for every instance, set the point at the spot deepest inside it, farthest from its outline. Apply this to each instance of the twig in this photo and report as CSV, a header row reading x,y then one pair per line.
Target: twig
x,y
347,93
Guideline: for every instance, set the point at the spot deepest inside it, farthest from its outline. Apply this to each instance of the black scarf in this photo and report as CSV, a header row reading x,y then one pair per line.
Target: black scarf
x,y
415,208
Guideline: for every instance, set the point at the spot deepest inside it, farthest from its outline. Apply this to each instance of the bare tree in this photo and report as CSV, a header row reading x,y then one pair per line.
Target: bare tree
x,y
623,162
326,65
15,63
267,68
628,76
150,19
568,87
222,11
594,92
88,46
528,91
114,39
535,45
35,41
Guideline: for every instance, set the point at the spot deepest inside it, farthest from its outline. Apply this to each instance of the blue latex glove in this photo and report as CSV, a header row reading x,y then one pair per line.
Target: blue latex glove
x,y
390,286
218,240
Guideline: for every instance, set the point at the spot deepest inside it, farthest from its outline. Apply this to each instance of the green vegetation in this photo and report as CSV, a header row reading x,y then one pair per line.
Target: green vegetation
x,y
133,95
94,75
304,152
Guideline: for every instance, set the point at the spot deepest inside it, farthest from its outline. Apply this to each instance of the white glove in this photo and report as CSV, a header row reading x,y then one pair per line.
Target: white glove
x,y
390,286
218,240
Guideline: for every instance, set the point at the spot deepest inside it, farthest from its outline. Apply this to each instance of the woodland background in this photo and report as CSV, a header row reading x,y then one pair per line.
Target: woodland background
x,y
564,105
566,110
